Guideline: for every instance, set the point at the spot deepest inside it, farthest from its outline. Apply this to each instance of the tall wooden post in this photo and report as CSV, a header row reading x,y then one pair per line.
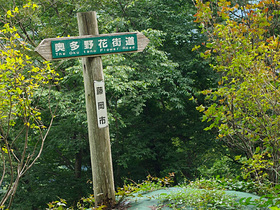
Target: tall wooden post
x,y
99,140
89,44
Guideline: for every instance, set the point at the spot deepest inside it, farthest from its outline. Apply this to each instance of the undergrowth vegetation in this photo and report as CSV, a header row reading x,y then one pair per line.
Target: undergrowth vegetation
x,y
221,193
129,189
199,198
198,194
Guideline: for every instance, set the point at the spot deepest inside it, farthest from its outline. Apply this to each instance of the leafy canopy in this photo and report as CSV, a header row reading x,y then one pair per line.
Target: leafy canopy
x,y
22,132
245,108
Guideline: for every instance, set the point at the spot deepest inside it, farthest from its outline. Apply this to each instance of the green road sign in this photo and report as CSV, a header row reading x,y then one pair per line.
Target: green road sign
x,y
94,46
91,45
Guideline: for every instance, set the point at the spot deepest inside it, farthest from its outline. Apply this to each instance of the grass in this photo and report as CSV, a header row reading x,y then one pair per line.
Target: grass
x,y
199,195
193,198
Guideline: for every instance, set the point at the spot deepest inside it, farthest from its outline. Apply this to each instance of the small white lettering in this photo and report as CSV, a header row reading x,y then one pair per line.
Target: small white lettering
x,y
59,47
116,42
103,43
74,45
88,44
129,40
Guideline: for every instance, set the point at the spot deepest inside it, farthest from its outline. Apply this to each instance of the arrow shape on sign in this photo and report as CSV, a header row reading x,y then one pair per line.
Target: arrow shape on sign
x,y
91,46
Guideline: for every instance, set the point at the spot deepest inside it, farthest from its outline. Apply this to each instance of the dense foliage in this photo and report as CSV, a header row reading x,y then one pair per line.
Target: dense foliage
x,y
245,43
22,132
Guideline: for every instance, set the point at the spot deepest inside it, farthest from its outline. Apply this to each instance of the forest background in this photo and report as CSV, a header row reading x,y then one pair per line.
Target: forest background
x,y
152,98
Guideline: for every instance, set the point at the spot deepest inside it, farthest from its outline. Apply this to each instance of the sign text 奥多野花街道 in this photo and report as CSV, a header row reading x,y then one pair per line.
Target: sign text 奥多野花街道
x,y
94,46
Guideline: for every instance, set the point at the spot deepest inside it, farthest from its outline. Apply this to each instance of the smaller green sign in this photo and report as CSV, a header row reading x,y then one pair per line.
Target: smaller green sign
x,y
94,46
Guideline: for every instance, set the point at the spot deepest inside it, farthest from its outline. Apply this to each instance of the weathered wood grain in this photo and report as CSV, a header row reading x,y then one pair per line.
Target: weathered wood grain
x,y
99,138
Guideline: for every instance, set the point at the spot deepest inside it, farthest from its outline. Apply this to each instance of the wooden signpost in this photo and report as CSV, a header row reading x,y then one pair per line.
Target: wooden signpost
x,y
90,46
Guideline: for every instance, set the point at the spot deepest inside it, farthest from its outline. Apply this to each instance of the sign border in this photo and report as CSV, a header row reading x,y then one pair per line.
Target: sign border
x,y
67,52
